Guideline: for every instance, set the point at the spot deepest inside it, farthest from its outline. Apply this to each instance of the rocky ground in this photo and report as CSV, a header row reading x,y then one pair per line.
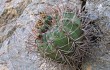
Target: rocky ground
x,y
17,18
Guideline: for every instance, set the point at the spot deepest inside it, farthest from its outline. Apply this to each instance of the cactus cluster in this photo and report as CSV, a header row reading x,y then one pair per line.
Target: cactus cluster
x,y
60,41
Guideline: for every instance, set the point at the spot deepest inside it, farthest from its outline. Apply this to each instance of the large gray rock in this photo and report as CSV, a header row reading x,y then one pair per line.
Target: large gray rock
x,y
99,10
17,18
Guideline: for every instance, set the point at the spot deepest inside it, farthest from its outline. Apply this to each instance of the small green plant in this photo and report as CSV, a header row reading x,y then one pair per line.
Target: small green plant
x,y
59,41
65,37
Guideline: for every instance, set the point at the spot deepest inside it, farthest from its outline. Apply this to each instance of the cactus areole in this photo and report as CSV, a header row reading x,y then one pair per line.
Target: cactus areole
x,y
59,41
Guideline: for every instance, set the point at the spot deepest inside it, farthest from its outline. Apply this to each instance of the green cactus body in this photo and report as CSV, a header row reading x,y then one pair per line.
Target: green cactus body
x,y
55,42
72,26
48,20
44,28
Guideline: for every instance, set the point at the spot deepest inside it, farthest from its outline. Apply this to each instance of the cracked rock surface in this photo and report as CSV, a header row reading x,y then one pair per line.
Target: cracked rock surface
x,y
99,10
17,18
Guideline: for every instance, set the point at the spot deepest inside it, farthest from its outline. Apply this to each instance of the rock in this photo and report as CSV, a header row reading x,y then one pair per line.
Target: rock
x,y
3,67
11,10
99,10
17,19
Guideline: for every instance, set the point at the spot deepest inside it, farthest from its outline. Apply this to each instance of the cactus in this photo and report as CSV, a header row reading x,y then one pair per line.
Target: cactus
x,y
43,25
57,41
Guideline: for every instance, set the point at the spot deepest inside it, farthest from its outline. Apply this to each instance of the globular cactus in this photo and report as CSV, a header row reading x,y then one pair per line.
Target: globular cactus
x,y
59,41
